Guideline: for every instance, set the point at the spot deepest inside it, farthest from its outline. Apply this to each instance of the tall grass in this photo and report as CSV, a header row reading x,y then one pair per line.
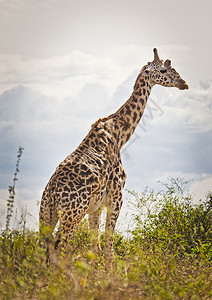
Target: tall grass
x,y
167,256
11,189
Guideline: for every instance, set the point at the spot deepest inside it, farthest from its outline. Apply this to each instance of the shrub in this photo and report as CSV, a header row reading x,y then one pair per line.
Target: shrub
x,y
172,221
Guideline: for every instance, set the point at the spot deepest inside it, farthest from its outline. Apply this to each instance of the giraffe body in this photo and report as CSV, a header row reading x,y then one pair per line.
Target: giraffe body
x,y
93,177
89,179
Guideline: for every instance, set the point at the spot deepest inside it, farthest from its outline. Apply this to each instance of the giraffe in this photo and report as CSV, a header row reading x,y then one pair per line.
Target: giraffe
x,y
92,177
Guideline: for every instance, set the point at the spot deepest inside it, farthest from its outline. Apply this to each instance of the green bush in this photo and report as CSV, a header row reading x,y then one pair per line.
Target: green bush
x,y
172,221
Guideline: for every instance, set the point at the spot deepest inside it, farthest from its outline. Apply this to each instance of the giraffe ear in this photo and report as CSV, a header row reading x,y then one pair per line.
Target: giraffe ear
x,y
167,64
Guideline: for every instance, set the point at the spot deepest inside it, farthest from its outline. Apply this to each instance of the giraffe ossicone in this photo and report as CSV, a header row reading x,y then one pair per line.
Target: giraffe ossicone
x,y
92,177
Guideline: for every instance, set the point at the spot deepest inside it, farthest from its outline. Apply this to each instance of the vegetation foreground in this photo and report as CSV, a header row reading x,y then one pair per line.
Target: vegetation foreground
x,y
168,255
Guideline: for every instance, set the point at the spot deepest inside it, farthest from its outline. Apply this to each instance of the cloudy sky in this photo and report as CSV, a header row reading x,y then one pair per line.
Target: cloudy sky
x,y
64,64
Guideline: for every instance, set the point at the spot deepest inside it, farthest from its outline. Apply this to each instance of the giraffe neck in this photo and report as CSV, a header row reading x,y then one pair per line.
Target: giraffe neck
x,y
125,120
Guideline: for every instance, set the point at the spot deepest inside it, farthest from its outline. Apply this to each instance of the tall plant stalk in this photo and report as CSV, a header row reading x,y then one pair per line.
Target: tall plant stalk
x,y
11,189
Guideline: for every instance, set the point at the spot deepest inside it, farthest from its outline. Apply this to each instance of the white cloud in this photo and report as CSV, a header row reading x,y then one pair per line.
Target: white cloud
x,y
198,184
61,76
201,187
65,75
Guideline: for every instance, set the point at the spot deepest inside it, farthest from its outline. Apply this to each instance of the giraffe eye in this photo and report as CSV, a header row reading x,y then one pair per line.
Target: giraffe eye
x,y
163,71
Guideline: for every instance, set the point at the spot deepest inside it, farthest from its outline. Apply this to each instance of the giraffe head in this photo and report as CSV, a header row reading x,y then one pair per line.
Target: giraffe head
x,y
162,73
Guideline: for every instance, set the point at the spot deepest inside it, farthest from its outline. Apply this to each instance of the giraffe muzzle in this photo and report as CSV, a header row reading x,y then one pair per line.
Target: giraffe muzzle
x,y
182,85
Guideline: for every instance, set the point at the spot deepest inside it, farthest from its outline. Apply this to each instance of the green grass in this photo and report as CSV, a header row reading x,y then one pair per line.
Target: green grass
x,y
167,256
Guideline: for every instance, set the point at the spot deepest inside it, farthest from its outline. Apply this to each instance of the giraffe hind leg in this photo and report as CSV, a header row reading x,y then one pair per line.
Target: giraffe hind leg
x,y
94,224
48,219
68,225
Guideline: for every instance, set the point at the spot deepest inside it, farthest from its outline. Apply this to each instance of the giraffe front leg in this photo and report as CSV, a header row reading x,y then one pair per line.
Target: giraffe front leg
x,y
112,216
94,224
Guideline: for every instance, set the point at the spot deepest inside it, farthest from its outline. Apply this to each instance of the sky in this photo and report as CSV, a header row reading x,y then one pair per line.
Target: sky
x,y
64,64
